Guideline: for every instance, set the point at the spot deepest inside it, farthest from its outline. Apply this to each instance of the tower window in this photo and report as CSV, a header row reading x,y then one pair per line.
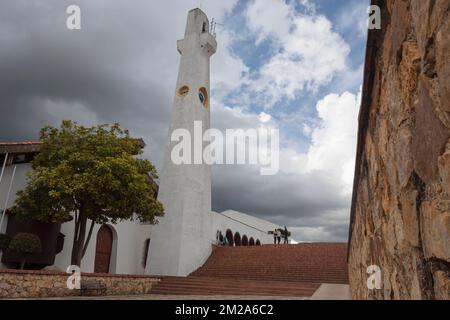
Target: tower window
x,y
203,96
204,27
183,91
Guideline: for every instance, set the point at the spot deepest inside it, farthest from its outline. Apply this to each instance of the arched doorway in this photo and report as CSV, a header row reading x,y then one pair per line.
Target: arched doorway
x,y
251,242
244,240
229,235
258,243
103,249
237,239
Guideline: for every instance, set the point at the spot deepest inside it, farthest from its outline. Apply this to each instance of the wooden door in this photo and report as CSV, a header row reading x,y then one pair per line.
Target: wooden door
x,y
103,249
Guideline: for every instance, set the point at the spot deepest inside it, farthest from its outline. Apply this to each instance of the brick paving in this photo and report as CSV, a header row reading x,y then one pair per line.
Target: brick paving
x,y
269,270
176,297
306,262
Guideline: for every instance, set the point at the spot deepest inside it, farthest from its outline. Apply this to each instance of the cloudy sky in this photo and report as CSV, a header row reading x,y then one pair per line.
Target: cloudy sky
x,y
294,65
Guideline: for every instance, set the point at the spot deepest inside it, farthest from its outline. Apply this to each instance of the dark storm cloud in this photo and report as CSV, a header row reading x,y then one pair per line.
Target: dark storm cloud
x,y
307,200
284,194
116,68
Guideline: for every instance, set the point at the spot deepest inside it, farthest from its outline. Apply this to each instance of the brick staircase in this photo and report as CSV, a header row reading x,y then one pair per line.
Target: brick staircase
x,y
268,270
193,285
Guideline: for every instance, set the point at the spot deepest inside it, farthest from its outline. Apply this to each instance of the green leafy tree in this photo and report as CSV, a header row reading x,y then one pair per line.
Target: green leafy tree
x,y
84,174
25,244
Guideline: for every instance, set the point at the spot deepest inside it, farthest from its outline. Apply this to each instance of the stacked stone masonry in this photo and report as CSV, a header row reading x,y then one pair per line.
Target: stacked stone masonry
x,y
401,205
42,284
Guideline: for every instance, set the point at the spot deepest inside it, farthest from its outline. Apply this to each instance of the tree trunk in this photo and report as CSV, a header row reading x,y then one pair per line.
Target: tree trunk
x,y
79,237
91,228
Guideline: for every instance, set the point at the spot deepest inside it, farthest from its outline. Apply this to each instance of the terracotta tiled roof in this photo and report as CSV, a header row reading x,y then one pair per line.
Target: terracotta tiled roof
x,y
18,143
19,147
33,146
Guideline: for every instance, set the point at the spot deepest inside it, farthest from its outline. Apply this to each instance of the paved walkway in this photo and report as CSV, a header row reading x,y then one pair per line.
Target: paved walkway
x,y
326,291
174,297
329,291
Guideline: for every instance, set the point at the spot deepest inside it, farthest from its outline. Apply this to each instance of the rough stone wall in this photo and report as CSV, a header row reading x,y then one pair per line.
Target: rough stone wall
x,y
401,205
41,284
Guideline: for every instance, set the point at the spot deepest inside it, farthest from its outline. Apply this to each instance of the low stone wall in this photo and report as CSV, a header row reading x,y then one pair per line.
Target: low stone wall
x,y
41,284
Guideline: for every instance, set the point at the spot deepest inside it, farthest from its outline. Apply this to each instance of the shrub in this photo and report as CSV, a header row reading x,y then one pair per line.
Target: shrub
x,y
25,244
4,241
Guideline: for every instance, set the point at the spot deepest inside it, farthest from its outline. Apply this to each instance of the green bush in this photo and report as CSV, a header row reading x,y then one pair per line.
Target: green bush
x,y
4,241
25,244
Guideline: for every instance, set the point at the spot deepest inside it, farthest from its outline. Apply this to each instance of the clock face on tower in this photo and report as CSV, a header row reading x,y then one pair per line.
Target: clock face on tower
x,y
203,96
183,91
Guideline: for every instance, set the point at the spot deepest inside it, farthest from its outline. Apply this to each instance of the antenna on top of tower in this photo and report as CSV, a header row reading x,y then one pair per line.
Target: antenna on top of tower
x,y
213,26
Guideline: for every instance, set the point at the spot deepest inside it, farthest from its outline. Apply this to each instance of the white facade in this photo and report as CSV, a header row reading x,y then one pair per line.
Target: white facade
x,y
244,225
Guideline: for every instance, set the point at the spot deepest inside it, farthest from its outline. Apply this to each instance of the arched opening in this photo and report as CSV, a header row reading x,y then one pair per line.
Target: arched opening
x,y
103,249
258,243
229,235
203,96
237,239
204,27
244,240
251,242
183,91
145,253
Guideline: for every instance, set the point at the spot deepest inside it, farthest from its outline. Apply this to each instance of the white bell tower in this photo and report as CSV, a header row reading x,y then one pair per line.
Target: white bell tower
x,y
181,242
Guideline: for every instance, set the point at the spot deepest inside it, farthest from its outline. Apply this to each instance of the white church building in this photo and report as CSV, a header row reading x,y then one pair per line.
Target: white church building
x,y
183,239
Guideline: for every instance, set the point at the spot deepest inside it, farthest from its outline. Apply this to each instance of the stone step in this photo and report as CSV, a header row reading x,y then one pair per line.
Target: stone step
x,y
227,282
234,290
220,286
289,279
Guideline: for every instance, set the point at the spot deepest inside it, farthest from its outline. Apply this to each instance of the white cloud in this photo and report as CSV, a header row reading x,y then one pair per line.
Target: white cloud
x,y
229,72
333,142
264,117
310,234
310,53
353,18
268,19
306,130
351,79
